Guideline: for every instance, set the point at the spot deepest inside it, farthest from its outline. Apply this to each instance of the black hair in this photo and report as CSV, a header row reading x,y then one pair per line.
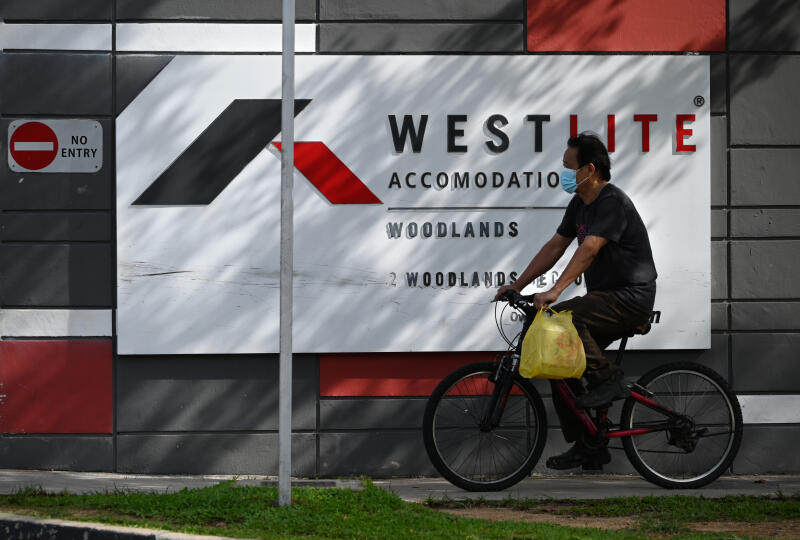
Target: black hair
x,y
592,150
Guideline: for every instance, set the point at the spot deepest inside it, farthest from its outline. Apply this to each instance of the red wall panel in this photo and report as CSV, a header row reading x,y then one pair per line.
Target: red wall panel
x,y
55,386
389,374
626,25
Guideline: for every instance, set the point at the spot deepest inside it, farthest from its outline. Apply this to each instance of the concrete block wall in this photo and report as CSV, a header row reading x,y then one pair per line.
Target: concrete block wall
x,y
69,401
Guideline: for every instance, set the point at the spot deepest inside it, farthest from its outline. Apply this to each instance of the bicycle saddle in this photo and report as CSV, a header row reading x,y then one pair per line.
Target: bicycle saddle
x,y
641,330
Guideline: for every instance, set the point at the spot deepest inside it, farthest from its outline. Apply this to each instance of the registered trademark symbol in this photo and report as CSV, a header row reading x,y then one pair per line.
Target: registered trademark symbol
x,y
699,101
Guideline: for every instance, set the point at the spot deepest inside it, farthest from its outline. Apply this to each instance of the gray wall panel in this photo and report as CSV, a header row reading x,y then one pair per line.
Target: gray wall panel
x,y
719,223
64,227
371,413
765,176
382,413
767,222
374,453
765,362
765,316
452,10
59,191
60,452
56,10
719,160
764,25
212,453
380,37
202,393
719,316
55,275
767,449
637,363
719,270
244,10
55,83
719,84
765,269
763,98
31,191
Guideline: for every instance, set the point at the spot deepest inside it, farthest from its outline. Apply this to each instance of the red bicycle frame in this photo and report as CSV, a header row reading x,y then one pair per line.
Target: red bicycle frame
x,y
591,427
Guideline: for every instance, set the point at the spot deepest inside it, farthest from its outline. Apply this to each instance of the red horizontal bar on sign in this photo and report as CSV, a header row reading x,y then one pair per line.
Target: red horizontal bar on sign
x,y
329,175
389,374
626,25
55,386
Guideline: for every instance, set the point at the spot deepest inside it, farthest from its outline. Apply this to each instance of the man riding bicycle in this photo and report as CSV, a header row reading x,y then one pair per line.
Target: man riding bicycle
x,y
615,258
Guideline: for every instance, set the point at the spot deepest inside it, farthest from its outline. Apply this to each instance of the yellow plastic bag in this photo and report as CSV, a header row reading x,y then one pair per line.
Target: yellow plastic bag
x,y
552,348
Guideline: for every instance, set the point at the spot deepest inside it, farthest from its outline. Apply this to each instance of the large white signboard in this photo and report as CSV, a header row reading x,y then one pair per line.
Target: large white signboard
x,y
422,184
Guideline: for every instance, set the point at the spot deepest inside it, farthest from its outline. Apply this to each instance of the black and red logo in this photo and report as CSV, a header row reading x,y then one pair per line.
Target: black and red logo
x,y
232,141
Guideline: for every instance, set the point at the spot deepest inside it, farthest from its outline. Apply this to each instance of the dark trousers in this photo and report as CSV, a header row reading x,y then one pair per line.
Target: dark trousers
x,y
600,319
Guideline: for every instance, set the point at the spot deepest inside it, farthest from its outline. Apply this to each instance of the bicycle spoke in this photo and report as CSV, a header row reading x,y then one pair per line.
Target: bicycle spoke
x,y
466,458
478,461
518,452
506,460
492,454
663,452
707,435
461,409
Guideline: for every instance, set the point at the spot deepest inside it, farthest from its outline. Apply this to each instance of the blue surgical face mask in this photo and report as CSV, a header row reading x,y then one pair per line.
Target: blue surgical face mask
x,y
569,181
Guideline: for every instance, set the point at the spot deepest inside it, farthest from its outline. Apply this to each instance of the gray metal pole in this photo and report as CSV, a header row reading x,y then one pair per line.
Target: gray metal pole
x,y
287,263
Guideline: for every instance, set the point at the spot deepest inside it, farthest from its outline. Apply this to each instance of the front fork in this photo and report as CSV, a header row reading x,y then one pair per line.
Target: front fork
x,y
503,378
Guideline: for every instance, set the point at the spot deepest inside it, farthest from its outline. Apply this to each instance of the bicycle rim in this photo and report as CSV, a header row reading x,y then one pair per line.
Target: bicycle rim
x,y
488,458
703,400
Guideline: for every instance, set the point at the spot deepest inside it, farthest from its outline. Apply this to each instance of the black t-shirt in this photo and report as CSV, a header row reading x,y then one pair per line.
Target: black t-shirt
x,y
625,264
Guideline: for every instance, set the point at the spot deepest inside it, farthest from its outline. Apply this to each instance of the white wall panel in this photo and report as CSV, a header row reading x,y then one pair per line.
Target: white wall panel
x,y
65,37
54,322
770,409
210,37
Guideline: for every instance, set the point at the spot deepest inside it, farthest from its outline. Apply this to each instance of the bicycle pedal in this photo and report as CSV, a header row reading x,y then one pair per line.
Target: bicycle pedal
x,y
591,467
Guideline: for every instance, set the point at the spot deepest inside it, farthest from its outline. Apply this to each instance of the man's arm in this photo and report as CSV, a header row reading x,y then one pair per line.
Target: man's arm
x,y
580,261
541,263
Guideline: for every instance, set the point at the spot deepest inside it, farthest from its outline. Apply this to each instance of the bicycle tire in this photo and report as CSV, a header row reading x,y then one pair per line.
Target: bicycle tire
x,y
714,406
511,427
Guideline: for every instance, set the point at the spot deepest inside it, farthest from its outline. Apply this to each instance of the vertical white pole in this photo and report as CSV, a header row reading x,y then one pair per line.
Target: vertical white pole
x,y
287,263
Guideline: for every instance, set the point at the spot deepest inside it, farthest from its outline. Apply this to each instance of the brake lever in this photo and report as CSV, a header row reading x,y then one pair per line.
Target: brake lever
x,y
510,296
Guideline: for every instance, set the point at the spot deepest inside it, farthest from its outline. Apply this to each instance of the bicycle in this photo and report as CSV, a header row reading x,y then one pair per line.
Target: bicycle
x,y
485,425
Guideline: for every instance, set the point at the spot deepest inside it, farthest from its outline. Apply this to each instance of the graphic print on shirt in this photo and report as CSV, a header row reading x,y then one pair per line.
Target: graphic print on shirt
x,y
581,232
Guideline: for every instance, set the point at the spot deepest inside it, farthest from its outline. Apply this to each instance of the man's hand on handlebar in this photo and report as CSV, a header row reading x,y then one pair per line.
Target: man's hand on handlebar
x,y
504,289
540,300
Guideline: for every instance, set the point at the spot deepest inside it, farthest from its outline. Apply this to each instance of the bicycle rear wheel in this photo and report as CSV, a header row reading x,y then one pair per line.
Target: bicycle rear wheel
x,y
474,459
700,445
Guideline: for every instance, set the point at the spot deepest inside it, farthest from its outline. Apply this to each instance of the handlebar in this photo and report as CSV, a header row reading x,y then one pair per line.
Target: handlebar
x,y
523,302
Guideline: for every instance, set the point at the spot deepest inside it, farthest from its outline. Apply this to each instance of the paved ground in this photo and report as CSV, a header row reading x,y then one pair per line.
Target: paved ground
x,y
86,482
590,486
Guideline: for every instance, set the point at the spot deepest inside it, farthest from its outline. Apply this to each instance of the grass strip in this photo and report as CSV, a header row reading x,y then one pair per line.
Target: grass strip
x,y
250,512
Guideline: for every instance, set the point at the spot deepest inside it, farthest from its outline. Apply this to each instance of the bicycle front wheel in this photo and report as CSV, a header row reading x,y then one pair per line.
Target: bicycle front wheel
x,y
698,446
488,459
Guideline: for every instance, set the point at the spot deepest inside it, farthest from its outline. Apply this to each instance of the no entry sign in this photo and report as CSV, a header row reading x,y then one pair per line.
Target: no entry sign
x,y
33,146
51,146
